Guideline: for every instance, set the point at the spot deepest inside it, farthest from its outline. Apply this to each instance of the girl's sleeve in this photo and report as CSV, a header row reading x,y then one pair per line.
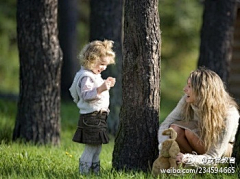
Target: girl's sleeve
x,y
87,89
216,152
173,116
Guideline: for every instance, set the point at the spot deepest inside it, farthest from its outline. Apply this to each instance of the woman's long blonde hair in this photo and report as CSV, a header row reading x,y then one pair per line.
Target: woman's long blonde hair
x,y
212,101
95,51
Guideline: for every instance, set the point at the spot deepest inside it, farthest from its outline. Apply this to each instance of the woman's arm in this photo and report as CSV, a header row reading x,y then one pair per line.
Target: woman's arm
x,y
173,116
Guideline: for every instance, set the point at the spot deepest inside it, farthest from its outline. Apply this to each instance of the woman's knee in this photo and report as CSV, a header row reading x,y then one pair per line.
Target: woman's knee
x,y
179,130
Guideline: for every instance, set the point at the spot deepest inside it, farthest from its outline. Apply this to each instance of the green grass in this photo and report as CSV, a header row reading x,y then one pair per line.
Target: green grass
x,y
18,160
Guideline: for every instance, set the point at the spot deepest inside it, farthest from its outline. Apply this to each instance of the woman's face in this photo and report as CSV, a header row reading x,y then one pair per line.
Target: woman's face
x,y
190,97
101,65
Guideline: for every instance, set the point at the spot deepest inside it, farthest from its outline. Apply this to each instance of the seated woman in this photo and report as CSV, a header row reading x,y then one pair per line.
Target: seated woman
x,y
206,120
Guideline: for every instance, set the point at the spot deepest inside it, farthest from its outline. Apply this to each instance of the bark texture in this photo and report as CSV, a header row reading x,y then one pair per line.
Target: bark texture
x,y
38,116
106,23
217,42
68,19
217,36
136,141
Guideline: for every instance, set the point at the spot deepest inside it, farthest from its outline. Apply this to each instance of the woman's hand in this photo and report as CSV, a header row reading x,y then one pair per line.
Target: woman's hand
x,y
179,158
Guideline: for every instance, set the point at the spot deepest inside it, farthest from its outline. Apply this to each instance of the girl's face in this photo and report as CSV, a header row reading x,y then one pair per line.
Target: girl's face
x,y
101,65
189,92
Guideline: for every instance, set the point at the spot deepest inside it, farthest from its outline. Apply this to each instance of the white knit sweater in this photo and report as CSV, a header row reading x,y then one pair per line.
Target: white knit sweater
x,y
99,103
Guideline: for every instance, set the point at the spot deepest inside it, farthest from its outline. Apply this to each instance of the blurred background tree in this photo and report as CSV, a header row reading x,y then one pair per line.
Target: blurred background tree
x,y
67,25
217,36
106,23
180,31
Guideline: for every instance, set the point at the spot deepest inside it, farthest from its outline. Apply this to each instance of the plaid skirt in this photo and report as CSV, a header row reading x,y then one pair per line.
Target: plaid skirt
x,y
92,128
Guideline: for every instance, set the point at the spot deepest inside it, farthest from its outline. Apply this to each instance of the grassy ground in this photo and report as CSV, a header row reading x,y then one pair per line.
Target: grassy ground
x,y
29,161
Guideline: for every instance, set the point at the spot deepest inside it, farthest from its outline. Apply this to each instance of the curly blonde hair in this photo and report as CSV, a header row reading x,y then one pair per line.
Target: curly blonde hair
x,y
212,101
95,51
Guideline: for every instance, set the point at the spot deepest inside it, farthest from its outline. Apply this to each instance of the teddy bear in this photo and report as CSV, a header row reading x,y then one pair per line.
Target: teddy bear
x,y
168,152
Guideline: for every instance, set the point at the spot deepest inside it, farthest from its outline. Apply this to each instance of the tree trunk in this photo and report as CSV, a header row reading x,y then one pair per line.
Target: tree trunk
x,y
38,116
234,83
136,144
217,36
106,23
216,43
236,148
68,17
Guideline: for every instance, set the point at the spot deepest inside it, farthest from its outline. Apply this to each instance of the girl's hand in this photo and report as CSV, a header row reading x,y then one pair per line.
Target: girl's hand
x,y
107,84
111,81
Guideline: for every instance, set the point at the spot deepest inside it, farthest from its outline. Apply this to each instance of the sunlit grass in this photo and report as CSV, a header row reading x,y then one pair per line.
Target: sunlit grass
x,y
19,160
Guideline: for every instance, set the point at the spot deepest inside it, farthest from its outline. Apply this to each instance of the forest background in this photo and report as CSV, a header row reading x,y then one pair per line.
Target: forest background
x,y
180,32
180,25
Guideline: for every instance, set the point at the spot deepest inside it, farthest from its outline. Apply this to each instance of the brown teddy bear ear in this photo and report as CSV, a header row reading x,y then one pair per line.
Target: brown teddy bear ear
x,y
170,132
167,131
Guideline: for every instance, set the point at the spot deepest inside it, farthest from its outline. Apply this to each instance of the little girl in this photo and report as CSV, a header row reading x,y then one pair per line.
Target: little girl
x,y
91,94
